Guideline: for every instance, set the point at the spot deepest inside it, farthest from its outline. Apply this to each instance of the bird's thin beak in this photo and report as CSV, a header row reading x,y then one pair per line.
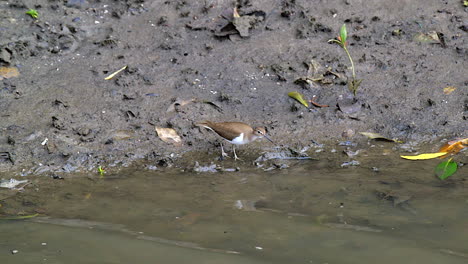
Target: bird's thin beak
x,y
265,136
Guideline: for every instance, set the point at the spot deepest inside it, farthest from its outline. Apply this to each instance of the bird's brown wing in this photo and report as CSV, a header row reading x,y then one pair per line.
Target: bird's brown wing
x,y
227,130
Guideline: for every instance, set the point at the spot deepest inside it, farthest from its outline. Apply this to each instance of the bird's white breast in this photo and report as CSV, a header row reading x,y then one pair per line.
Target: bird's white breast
x,y
239,140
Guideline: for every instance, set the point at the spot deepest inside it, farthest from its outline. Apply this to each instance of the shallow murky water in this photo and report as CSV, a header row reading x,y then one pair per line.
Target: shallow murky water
x,y
305,214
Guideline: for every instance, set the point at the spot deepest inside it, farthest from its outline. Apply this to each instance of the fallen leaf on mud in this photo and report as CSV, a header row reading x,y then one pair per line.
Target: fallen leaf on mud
x,y
446,169
429,37
299,97
213,105
449,89
115,73
304,82
378,136
8,72
179,102
317,73
244,23
425,156
169,135
235,14
455,146
123,134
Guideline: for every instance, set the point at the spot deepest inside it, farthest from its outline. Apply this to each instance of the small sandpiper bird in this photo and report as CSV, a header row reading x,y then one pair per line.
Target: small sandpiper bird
x,y
236,133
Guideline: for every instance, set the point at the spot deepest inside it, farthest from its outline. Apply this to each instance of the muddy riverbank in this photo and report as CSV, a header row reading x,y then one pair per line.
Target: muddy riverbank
x,y
60,115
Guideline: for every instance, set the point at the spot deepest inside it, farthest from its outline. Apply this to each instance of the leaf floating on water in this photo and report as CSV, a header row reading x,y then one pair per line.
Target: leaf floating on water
x,y
8,72
449,89
455,146
20,217
425,156
446,169
169,135
378,136
112,75
299,97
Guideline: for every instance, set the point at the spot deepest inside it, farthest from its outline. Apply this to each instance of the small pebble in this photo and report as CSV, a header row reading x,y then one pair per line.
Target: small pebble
x,y
14,251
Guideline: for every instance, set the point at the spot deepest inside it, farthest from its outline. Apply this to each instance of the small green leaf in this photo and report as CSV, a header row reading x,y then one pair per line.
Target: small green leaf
x,y
343,34
101,171
299,97
446,169
33,13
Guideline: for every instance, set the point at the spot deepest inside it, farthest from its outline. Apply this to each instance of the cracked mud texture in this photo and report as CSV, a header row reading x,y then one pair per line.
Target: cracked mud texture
x,y
244,63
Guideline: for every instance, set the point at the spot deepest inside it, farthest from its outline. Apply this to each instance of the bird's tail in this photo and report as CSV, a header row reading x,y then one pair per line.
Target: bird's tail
x,y
205,124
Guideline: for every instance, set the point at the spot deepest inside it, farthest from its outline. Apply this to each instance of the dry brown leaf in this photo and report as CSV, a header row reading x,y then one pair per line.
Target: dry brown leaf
x,y
455,146
169,135
8,72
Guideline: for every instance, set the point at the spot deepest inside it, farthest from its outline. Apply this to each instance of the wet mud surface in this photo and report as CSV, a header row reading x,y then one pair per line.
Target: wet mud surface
x,y
61,115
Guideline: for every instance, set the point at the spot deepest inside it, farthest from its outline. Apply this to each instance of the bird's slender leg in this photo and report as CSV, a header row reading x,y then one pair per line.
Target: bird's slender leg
x,y
235,155
223,154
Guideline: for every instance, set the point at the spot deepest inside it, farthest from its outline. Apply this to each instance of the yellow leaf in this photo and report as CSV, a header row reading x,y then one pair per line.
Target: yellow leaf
x,y
299,97
425,156
8,72
115,73
169,135
235,14
20,217
449,89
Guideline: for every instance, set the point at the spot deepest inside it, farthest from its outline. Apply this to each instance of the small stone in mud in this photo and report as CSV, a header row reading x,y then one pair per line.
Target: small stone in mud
x,y
5,56
11,140
14,251
350,163
152,167
83,131
58,124
348,133
209,168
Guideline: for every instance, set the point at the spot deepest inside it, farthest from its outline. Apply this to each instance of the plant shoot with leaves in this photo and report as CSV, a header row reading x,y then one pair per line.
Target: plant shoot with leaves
x,y
341,40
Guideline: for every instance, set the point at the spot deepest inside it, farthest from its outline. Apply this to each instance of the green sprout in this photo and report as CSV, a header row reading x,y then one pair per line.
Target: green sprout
x,y
101,171
33,13
341,40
